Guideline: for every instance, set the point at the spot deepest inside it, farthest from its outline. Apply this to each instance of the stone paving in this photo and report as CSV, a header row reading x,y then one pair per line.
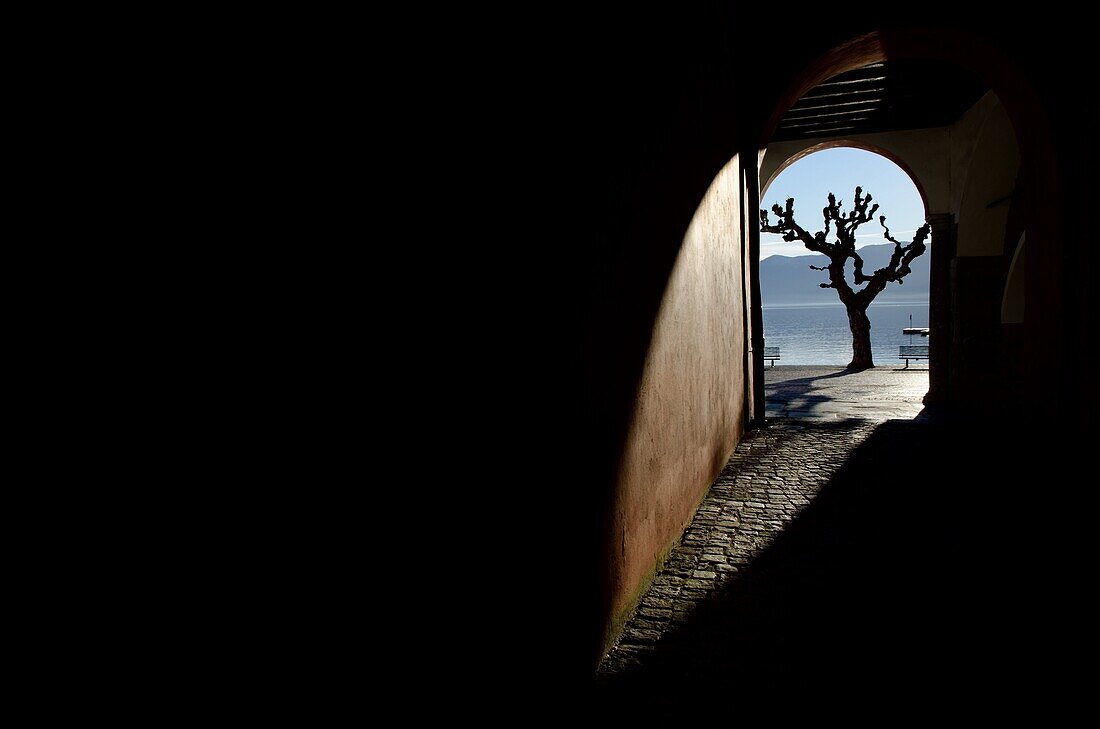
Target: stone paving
x,y
818,415
774,474
830,393
840,553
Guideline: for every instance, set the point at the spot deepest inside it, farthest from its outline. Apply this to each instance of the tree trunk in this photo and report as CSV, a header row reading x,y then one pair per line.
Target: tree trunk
x,y
861,338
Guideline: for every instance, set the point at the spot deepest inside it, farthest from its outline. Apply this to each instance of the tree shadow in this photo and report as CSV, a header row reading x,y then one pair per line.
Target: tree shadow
x,y
903,581
797,394
803,396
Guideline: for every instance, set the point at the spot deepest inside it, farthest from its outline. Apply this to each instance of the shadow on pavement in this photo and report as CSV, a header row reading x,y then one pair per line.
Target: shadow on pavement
x,y
824,393
798,394
914,580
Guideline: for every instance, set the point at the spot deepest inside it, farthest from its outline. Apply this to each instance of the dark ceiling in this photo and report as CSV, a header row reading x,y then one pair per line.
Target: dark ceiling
x,y
883,97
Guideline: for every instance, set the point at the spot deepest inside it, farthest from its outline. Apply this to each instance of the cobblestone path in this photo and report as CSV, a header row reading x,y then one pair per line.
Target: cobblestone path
x,y
772,476
845,561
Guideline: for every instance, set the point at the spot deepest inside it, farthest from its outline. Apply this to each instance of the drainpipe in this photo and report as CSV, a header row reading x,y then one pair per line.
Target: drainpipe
x,y
752,183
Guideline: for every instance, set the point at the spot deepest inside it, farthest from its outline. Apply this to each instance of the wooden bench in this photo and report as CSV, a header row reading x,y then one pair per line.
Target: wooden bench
x,y
772,353
912,351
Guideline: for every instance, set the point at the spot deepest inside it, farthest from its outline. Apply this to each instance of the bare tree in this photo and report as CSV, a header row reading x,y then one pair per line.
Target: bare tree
x,y
856,302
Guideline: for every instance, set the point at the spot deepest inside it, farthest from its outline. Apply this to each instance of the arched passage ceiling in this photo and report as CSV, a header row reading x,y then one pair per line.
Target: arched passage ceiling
x,y
883,97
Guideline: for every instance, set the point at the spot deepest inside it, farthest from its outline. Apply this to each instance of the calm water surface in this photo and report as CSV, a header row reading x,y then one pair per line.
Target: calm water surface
x,y
811,335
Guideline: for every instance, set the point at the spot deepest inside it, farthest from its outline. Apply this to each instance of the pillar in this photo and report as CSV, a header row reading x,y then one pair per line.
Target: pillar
x,y
750,160
940,323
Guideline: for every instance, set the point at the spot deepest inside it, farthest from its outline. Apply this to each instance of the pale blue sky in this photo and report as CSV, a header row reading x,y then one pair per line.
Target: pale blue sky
x,y
810,180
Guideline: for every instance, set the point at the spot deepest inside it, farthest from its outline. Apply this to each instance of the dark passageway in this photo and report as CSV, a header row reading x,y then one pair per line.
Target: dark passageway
x,y
937,557
899,580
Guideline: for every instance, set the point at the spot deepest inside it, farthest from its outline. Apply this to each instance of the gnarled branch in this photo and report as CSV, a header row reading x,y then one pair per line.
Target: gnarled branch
x,y
846,224
857,276
791,230
898,267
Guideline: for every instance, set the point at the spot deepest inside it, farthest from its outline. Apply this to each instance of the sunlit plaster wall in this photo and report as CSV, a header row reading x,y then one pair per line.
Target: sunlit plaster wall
x,y
690,407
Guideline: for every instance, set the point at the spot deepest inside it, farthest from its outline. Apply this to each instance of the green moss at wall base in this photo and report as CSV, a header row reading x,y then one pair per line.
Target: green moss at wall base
x,y
615,626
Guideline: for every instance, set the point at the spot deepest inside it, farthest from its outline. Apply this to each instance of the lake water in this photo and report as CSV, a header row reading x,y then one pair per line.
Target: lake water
x,y
810,335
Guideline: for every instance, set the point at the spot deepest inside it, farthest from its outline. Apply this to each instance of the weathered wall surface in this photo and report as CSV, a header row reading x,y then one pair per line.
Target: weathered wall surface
x,y
690,407
986,161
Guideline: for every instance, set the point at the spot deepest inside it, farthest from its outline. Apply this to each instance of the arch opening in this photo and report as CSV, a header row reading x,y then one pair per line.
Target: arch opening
x,y
771,168
982,177
808,323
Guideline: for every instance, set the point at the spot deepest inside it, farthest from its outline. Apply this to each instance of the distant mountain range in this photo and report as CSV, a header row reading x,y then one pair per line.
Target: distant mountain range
x,y
788,280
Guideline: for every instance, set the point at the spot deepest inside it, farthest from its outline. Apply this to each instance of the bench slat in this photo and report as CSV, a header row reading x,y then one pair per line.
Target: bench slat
x,y
912,350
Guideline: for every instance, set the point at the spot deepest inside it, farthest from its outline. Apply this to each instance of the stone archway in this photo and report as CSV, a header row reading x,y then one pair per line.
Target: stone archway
x,y
773,165
1039,183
